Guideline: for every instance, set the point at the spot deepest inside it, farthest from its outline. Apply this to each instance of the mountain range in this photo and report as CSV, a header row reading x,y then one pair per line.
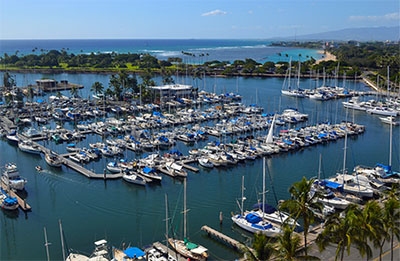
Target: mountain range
x,y
364,34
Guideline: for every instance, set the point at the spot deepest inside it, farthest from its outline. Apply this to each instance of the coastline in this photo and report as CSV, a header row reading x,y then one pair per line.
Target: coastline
x,y
327,57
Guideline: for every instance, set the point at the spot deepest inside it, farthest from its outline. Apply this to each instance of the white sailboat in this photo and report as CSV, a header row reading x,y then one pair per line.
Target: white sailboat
x,y
350,183
270,213
252,221
287,88
184,247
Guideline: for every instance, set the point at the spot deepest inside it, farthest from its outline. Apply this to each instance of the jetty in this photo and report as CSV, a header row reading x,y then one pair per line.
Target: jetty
x,y
73,165
225,239
21,202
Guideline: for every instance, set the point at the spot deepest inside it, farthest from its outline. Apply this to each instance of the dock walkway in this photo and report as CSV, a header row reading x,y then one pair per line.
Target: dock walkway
x,y
226,239
75,166
22,202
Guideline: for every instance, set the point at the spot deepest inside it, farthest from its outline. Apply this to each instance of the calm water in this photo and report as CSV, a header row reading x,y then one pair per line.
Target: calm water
x,y
94,209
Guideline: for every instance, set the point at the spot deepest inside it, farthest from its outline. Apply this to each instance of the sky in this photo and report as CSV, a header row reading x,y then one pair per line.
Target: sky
x,y
188,19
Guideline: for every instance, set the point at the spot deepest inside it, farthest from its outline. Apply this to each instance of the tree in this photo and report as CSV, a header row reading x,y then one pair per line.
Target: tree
x,y
370,228
264,249
97,88
341,230
287,244
8,80
74,91
300,205
391,220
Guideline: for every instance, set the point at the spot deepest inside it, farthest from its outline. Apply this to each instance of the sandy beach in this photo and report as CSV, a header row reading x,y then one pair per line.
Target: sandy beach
x,y
327,57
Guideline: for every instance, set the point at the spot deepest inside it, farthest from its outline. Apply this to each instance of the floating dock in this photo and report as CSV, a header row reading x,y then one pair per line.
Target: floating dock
x,y
75,166
22,202
226,239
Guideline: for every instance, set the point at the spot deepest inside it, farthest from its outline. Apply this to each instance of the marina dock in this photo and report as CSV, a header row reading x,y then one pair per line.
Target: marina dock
x,y
225,239
75,166
163,248
22,202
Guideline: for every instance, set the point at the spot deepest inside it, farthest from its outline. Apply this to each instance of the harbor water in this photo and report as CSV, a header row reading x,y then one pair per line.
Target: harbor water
x,y
124,213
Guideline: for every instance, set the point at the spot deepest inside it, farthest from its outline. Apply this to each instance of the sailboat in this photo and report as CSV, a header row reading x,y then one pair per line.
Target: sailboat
x,y
382,171
270,213
350,182
287,89
253,221
185,247
325,194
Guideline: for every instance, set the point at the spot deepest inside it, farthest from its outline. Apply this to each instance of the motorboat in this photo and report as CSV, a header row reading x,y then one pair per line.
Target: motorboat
x,y
12,136
100,253
11,177
382,111
134,178
53,160
7,202
29,147
205,162
390,120
150,173
325,195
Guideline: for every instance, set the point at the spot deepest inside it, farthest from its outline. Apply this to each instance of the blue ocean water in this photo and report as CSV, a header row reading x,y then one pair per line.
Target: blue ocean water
x,y
204,50
94,209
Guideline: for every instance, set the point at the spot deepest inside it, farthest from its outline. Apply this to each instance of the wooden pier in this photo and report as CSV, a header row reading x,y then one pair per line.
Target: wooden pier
x,y
184,164
226,239
75,166
22,202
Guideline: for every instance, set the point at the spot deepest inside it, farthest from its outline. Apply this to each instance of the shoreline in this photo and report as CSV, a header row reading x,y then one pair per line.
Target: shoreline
x,y
327,57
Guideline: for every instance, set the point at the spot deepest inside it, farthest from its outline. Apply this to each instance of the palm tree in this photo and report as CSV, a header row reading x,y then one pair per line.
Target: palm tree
x,y
341,231
391,220
74,91
370,227
300,205
287,244
97,88
263,247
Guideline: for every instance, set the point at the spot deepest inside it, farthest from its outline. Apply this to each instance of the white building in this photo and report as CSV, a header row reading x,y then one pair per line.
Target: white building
x,y
173,91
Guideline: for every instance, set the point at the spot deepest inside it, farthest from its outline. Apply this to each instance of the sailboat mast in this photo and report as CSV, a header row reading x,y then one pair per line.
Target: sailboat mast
x,y
46,244
166,218
390,143
62,239
263,190
242,199
319,167
184,208
344,154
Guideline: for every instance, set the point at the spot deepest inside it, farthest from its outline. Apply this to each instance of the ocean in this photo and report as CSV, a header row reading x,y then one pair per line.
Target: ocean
x,y
204,50
90,210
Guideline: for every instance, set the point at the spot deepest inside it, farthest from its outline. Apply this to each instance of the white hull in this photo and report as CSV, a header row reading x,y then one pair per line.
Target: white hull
x,y
28,147
179,246
263,227
53,160
18,184
135,179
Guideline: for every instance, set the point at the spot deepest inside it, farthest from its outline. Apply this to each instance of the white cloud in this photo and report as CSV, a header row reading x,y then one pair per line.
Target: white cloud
x,y
386,17
213,13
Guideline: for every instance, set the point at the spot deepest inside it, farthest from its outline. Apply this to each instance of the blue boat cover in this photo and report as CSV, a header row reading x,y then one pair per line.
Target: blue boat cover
x,y
386,168
266,209
148,170
253,218
134,252
331,184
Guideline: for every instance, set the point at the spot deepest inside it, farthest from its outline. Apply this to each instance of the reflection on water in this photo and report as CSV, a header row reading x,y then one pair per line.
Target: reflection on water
x,y
123,212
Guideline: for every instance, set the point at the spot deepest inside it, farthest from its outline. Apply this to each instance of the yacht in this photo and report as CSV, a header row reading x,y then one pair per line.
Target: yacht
x,y
11,177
